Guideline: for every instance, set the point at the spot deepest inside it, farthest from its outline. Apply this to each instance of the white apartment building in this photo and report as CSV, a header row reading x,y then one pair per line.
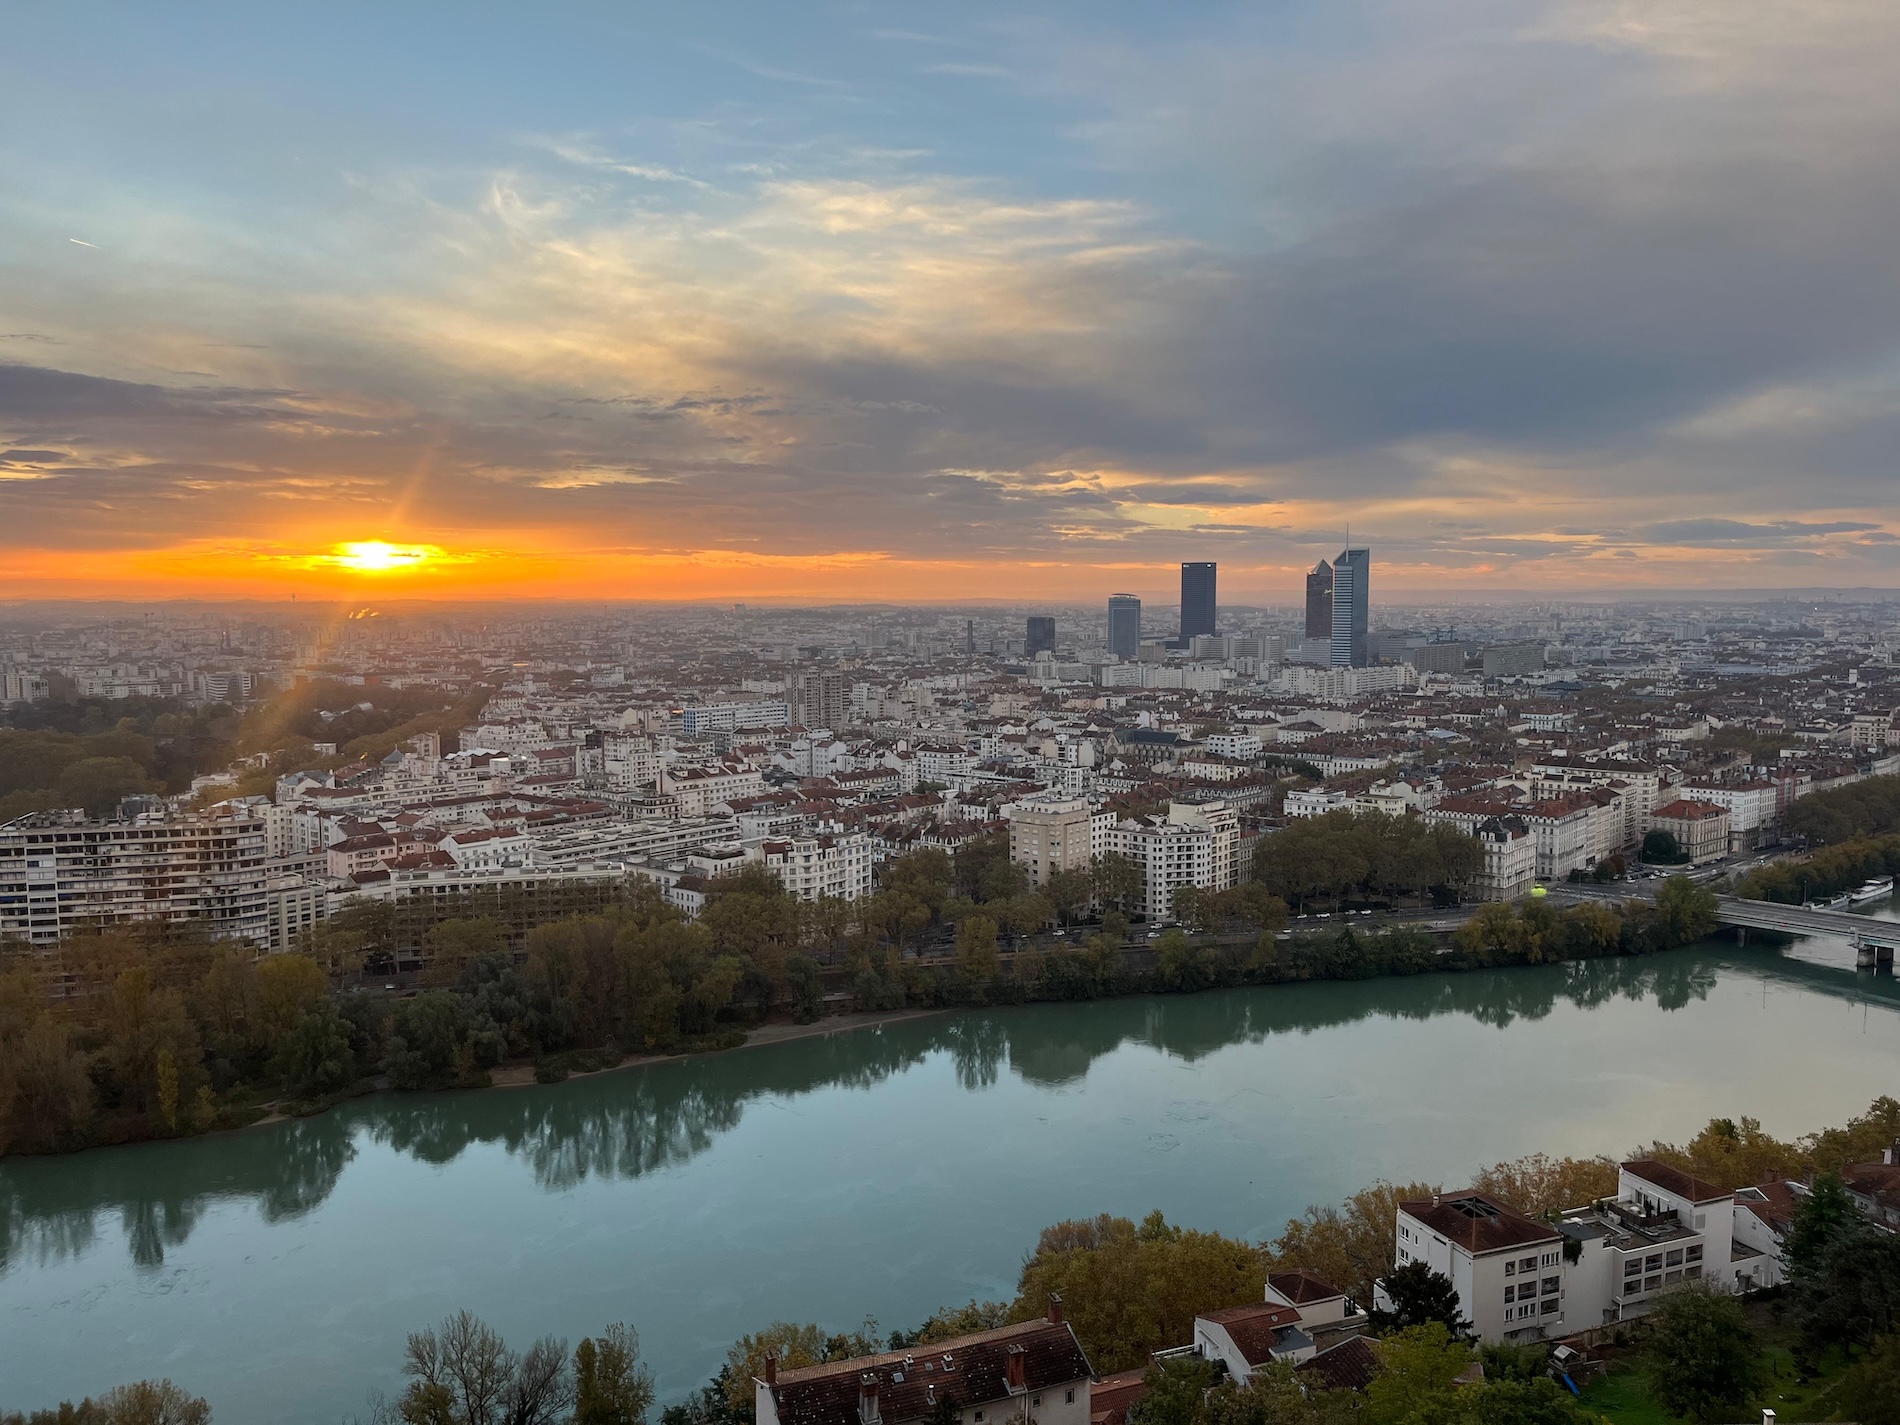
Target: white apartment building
x,y
1315,801
732,717
1198,845
60,871
1520,1279
1241,746
1753,808
814,866
701,790
1510,858
1644,786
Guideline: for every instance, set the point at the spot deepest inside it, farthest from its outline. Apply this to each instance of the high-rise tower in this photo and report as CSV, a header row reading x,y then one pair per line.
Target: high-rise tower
x,y
1197,599
1352,577
1041,636
1319,601
1124,625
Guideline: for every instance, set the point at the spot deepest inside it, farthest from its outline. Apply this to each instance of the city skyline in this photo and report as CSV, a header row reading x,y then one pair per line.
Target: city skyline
x,y
813,307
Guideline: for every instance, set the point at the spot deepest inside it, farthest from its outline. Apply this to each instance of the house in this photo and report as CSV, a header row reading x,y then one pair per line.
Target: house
x,y
1032,1371
1664,1227
1349,1365
1325,1310
1875,1187
1245,1338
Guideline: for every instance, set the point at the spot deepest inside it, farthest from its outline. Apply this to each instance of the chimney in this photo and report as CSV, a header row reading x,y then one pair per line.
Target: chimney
x,y
1890,1155
1768,1417
1014,1361
1055,1308
771,1370
867,1398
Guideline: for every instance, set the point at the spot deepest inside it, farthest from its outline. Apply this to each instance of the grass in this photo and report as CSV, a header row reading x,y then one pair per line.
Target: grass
x,y
1622,1395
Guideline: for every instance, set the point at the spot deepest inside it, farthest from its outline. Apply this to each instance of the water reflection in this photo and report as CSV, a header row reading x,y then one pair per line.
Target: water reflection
x,y
627,1125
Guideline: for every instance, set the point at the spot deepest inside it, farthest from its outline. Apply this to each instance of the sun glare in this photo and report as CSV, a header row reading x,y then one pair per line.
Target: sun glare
x,y
373,556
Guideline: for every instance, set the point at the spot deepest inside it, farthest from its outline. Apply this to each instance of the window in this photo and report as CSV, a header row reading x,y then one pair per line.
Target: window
x,y
1550,1259
1508,1295
1652,1262
1633,1267
1068,1398
1549,1308
978,1416
1651,1283
1036,1403
1690,1274
1671,1278
1510,1269
1550,1286
1674,1259
1694,1252
1529,1264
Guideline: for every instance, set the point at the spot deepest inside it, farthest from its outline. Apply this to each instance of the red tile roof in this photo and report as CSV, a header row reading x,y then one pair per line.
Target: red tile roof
x,y
1253,1327
1674,1180
1478,1222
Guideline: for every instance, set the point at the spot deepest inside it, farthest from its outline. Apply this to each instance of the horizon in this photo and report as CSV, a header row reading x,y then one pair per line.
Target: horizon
x,y
589,305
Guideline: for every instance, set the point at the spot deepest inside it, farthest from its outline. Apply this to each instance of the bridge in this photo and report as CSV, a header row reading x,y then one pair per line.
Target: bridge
x,y
1874,941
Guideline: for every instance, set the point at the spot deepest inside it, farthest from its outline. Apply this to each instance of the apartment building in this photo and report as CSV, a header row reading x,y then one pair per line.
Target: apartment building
x,y
1521,1279
1510,858
1701,828
1051,834
1198,844
60,872
814,866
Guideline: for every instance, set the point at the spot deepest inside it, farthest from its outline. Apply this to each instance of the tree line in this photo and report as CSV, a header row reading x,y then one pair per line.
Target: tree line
x,y
1825,873
1870,807
1339,856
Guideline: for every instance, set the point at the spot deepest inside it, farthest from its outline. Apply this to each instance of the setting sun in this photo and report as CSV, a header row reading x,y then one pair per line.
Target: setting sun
x,y
374,556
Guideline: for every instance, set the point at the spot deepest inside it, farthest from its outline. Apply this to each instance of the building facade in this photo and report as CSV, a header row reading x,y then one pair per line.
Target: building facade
x,y
1352,609
1319,601
1124,625
1198,599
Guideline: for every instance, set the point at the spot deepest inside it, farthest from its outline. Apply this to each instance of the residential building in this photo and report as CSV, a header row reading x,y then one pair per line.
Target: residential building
x,y
1752,807
1049,834
1507,1268
814,866
698,720
61,871
1035,1371
1198,608
1319,601
1701,828
1247,1338
819,697
1352,608
1198,844
1513,660
1510,858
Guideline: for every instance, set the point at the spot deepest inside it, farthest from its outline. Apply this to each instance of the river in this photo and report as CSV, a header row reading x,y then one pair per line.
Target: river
x,y
884,1173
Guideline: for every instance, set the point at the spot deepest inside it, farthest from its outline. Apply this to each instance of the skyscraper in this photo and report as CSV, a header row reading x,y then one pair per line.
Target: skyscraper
x,y
1042,636
1124,625
1197,599
1352,574
1319,601
818,697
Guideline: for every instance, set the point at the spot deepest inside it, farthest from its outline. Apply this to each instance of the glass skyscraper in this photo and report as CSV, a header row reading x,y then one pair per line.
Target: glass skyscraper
x,y
1352,577
1197,599
1319,601
1124,625
1042,636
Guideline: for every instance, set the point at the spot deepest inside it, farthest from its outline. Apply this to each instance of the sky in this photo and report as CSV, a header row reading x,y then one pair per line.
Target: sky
x,y
840,302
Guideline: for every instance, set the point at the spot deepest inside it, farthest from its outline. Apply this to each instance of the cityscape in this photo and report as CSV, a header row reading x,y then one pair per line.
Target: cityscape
x,y
1072,715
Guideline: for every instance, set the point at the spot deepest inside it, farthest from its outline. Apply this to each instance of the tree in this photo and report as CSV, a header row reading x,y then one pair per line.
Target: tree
x,y
462,1373
315,1056
1825,1215
1069,891
1130,1290
1870,1391
1176,1389
1418,1376
1537,1183
288,986
1352,1245
792,1344
611,1386
1660,848
51,1102
1705,1362
1687,909
1118,880
976,947
1420,1297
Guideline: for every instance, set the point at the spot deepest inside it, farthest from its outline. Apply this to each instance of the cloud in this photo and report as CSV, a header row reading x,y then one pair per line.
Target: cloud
x,y
1717,532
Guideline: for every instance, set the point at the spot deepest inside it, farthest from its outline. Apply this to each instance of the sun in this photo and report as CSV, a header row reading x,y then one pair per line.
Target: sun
x,y
374,556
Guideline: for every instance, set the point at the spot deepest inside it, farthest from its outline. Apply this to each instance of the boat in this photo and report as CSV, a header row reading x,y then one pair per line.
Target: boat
x,y
1877,889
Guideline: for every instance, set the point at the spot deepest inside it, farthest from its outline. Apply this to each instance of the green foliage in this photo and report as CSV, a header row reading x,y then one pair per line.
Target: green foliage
x,y
1705,1363
1418,1377
1175,1391
1870,1391
792,1344
1420,1297
611,1386
1351,1245
1865,808
1660,848
1330,858
1826,873
1130,1290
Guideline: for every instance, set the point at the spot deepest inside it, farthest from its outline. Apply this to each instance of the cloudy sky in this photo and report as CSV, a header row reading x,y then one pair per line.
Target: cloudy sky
x,y
921,302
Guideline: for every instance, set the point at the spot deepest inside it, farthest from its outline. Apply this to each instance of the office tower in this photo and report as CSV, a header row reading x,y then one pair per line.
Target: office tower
x,y
969,637
1319,601
1352,573
1042,636
1197,599
1124,625
818,698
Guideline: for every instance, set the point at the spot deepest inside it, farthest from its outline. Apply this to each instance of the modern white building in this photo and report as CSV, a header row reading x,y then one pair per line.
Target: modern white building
x,y
1197,845
814,866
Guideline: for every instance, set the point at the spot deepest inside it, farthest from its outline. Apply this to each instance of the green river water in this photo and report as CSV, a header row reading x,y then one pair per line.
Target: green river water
x,y
874,1173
